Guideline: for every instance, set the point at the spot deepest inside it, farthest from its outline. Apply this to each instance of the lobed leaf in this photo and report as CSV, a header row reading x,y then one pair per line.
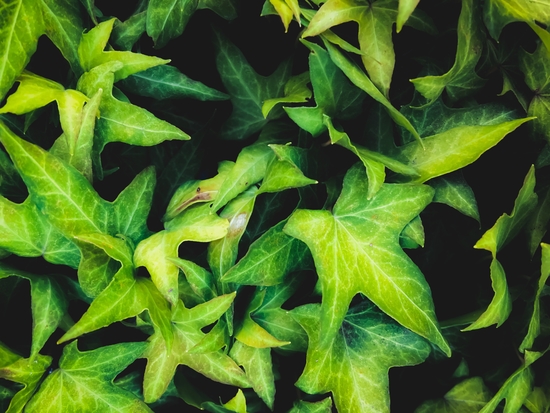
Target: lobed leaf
x,y
356,249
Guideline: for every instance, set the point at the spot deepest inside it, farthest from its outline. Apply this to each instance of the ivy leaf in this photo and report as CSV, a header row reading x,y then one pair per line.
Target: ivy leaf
x,y
374,162
504,230
57,189
125,34
131,207
438,117
413,235
166,19
499,13
279,322
285,171
64,27
22,26
296,91
35,91
468,396
375,21
461,80
122,121
48,304
124,297
354,366
222,253
249,169
323,406
251,333
534,322
77,150
453,190
334,95
187,324
28,372
167,82
91,53
352,249
517,387
362,81
270,258
154,253
404,11
259,369
25,231
287,9
224,8
89,375
538,223
535,67
247,89
193,192
453,149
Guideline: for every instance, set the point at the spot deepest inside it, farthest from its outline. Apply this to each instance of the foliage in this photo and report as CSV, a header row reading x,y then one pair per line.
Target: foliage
x,y
351,217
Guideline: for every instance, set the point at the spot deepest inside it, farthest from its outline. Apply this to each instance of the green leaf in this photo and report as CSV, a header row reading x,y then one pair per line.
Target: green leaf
x,y
259,369
250,168
131,207
48,303
222,253
247,89
499,13
224,8
25,231
354,366
91,53
89,375
77,150
279,322
504,230
192,192
534,323
122,121
404,11
35,91
124,298
21,27
28,372
453,190
375,21
57,189
538,222
166,19
154,253
187,324
453,149
374,162
362,81
461,80
285,171
356,250
413,235
200,280
536,67
324,406
64,27
516,388
270,258
251,333
334,95
167,82
126,34
468,396
296,91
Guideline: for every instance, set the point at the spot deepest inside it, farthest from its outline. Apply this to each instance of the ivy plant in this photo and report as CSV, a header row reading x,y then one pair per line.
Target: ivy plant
x,y
295,206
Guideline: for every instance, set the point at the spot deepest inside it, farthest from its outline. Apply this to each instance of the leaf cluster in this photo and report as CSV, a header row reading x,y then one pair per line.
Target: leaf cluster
x,y
351,217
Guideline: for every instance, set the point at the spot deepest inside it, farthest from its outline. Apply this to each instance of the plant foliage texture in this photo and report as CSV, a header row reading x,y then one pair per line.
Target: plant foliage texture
x,y
295,206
